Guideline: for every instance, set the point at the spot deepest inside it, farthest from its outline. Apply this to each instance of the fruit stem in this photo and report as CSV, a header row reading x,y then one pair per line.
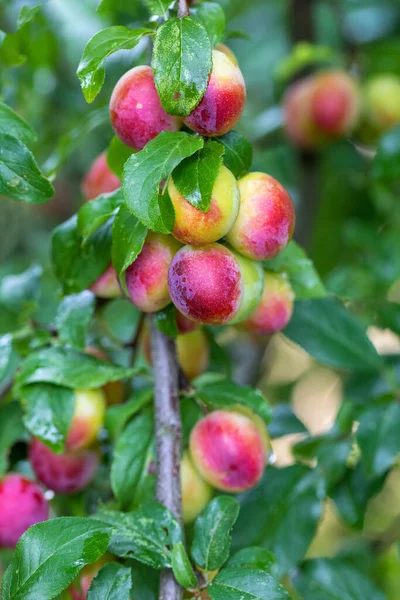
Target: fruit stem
x,y
168,439
183,9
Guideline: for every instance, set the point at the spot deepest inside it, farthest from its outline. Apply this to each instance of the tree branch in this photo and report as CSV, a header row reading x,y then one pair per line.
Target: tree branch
x,y
168,439
183,8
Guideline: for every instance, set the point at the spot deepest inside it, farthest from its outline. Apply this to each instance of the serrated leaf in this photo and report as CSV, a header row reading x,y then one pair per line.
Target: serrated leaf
x,y
11,430
246,584
147,534
165,321
128,235
226,393
49,556
284,421
195,176
182,568
95,213
12,124
238,154
211,15
20,177
303,276
332,335
281,514
73,317
144,172
182,64
69,368
212,529
129,458
112,582
117,155
48,413
90,71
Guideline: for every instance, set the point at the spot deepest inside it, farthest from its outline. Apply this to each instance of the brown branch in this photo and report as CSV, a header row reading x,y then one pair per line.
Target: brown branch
x,y
168,439
183,8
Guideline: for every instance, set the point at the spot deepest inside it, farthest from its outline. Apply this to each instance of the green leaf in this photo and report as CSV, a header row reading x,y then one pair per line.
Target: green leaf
x,y
118,416
95,213
182,568
385,167
11,430
246,584
69,368
284,421
77,266
90,71
73,317
281,514
20,177
195,176
128,236
12,124
112,582
332,335
331,450
182,63
212,529
378,437
20,293
302,274
225,393
144,172
120,319
211,15
49,412
323,578
253,557
6,355
27,13
50,555
117,155
158,7
165,321
130,455
147,534
146,581
238,154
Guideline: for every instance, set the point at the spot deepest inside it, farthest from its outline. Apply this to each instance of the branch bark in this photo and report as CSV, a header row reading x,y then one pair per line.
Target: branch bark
x,y
183,8
168,439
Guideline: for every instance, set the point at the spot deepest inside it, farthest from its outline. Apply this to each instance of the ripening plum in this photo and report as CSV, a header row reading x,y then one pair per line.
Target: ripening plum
x,y
88,418
22,504
266,218
381,102
322,107
224,100
228,450
113,390
196,493
275,308
99,179
65,473
146,277
197,228
184,324
107,286
214,285
135,109
227,51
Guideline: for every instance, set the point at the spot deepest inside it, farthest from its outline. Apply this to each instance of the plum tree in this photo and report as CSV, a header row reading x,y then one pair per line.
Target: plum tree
x,y
135,109
213,284
224,100
22,504
196,493
65,473
99,179
266,219
197,228
107,286
228,451
322,107
275,308
146,277
88,418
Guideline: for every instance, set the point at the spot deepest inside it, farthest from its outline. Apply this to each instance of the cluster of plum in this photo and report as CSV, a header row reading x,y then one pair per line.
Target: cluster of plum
x,y
329,105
